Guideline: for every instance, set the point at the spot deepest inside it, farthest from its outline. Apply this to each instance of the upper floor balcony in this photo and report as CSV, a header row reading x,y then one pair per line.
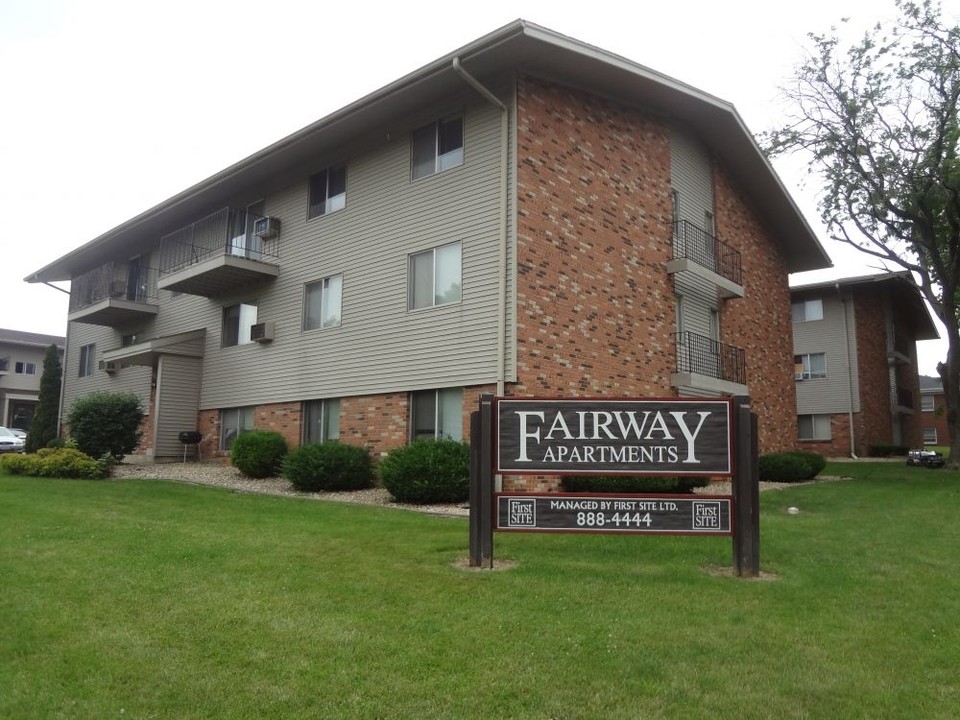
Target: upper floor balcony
x,y
899,353
710,365
698,252
903,401
116,294
220,254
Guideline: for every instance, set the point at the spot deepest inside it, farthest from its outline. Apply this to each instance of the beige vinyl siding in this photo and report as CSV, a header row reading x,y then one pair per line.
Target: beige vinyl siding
x,y
832,393
178,396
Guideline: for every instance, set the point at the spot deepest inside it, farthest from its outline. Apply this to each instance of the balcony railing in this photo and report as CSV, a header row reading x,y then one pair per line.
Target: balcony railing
x,y
228,232
704,356
119,281
697,245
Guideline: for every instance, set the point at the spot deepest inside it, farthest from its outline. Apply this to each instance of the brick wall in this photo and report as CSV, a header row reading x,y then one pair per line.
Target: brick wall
x,y
874,423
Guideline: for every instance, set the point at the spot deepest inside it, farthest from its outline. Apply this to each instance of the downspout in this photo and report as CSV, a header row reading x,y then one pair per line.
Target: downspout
x,y
846,341
502,250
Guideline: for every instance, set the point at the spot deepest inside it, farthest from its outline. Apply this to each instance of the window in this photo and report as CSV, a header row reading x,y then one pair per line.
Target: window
x,y
234,422
813,427
435,277
929,436
26,368
87,355
810,366
808,310
4,364
927,403
237,320
437,413
128,340
328,191
322,303
321,420
437,147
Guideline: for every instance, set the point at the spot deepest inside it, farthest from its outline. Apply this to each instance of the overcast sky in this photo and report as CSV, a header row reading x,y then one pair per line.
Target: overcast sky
x,y
110,107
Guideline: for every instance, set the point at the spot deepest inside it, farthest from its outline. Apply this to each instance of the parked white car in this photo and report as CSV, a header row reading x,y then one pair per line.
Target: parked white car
x,y
9,442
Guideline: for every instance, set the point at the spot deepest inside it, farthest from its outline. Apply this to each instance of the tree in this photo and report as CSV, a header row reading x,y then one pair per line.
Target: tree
x,y
878,120
43,429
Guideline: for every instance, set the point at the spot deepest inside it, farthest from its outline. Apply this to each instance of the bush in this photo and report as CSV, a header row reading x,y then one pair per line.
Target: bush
x,y
886,450
258,453
788,467
632,484
103,422
59,463
428,471
329,465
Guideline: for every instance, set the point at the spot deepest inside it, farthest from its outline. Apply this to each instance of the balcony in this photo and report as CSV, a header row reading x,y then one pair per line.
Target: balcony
x,y
114,294
709,365
904,401
218,255
900,353
697,251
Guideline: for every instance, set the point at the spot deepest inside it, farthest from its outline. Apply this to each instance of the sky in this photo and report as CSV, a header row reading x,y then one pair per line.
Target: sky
x,y
110,107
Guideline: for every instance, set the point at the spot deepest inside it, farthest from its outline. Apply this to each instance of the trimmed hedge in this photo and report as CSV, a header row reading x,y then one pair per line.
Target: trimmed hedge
x,y
797,466
887,449
329,465
258,453
106,422
428,471
632,484
59,463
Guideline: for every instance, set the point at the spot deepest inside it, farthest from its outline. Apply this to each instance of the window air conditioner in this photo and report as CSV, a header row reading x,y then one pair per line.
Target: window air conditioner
x,y
798,376
108,367
261,332
267,227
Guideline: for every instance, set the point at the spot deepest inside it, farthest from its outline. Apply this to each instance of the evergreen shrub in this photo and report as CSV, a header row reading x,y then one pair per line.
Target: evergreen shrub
x,y
788,467
105,422
329,465
56,463
428,471
258,453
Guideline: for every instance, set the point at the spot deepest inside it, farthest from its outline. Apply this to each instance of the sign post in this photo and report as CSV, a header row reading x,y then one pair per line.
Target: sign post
x,y
745,489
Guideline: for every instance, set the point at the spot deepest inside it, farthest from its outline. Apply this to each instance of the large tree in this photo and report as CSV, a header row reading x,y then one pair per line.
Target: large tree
x,y
877,119
43,429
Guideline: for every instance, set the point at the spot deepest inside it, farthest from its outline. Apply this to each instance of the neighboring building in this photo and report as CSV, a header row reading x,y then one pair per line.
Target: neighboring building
x,y
933,410
855,362
21,365
529,216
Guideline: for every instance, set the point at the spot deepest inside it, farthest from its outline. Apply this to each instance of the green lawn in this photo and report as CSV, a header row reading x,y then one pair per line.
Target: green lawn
x,y
147,599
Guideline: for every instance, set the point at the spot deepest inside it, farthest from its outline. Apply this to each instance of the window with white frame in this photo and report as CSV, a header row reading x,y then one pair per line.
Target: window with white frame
x,y
87,357
437,413
435,277
322,303
237,320
437,147
328,191
929,436
810,366
321,420
813,427
233,423
927,403
807,310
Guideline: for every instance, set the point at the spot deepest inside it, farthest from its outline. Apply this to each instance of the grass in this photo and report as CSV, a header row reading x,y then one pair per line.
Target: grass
x,y
146,599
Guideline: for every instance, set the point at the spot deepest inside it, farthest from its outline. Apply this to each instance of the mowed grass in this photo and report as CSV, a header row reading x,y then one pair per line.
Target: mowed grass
x,y
152,599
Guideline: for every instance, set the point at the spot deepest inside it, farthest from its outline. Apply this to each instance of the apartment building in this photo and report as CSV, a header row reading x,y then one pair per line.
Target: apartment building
x,y
933,411
529,216
855,362
21,366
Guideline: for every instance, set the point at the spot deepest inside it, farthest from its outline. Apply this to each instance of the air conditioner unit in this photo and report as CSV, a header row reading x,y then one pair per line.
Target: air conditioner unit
x,y
109,366
267,227
261,332
798,376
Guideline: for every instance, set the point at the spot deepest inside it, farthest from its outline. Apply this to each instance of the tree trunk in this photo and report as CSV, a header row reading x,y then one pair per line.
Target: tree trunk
x,y
950,377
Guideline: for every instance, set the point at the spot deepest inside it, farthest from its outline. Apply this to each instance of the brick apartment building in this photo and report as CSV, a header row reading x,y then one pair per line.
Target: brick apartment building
x,y
933,411
529,216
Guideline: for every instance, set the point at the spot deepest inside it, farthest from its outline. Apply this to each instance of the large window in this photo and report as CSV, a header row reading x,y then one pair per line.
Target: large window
x,y
328,191
435,276
437,413
813,427
807,310
321,420
437,147
237,320
234,422
810,366
322,303
26,368
927,403
87,356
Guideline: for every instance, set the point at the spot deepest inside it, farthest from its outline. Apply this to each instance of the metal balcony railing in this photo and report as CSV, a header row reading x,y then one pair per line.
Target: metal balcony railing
x,y
704,356
122,281
696,244
226,232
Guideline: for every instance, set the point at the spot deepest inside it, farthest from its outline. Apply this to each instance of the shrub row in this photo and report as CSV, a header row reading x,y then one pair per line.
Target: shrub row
x,y
886,450
797,466
57,463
